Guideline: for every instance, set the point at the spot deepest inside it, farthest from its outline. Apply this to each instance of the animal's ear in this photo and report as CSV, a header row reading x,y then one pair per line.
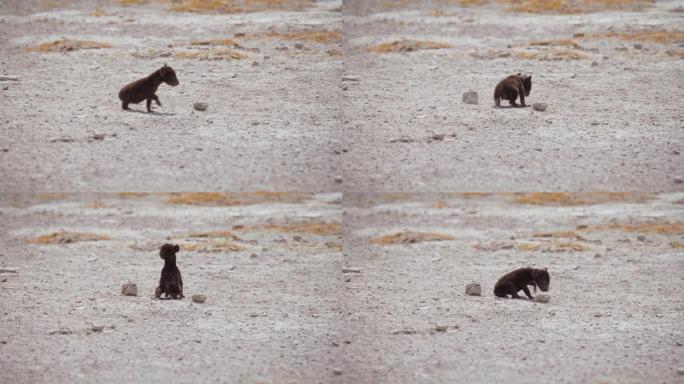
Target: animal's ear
x,y
162,71
545,268
176,248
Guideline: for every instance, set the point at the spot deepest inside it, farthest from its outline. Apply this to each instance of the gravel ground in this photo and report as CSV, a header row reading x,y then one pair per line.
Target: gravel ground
x,y
616,313
615,125
271,314
269,125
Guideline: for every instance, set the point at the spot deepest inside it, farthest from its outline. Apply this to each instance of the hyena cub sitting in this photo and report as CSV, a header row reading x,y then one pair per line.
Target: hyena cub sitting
x,y
145,88
170,282
512,282
512,87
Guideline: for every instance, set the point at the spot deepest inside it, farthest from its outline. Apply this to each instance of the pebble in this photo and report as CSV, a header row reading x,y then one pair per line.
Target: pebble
x,y
9,78
542,298
441,328
297,238
337,372
470,97
680,371
199,298
97,328
350,78
678,180
473,289
541,107
351,270
638,46
438,136
299,46
99,136
641,238
338,180
406,331
201,106
594,64
129,289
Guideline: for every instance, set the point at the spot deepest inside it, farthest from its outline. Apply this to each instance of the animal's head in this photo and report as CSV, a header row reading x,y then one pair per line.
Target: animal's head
x,y
542,278
168,75
527,83
168,252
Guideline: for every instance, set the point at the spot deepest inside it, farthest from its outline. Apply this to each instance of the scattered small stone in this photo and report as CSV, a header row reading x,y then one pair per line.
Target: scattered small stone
x,y
347,280
678,180
99,136
441,328
338,180
129,289
233,75
200,106
9,78
299,46
350,78
97,328
541,107
641,238
255,64
253,256
638,46
680,371
199,298
594,64
61,331
8,270
402,140
542,298
351,270
473,289
470,97
438,136
597,256
297,238
337,372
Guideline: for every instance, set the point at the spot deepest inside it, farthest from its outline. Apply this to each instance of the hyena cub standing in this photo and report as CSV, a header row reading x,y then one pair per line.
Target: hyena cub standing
x,y
170,282
145,88
512,87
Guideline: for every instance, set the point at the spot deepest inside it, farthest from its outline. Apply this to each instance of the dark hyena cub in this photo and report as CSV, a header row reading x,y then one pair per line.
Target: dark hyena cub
x,y
145,88
512,87
512,282
170,282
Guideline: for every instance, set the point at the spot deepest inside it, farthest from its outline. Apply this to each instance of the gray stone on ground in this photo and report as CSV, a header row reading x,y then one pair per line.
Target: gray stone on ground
x,y
473,289
201,106
470,97
441,328
129,289
541,107
542,298
199,298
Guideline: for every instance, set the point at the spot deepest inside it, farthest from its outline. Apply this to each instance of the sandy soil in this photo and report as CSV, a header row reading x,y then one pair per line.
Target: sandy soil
x,y
613,126
615,315
271,313
270,122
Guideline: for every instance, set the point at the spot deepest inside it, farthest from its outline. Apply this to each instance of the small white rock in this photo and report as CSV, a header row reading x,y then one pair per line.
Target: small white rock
x,y
542,298
470,97
473,289
541,107
129,289
201,106
351,270
199,298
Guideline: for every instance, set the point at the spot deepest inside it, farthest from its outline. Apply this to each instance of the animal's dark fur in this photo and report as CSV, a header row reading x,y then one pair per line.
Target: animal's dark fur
x,y
512,87
145,88
170,282
512,282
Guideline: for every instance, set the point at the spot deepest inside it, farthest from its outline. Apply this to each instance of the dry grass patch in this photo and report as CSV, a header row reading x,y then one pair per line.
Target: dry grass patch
x,y
677,245
132,2
652,36
68,45
237,6
211,246
677,54
406,45
555,54
556,42
554,246
410,237
237,198
574,199
569,7
649,227
210,54
213,234
311,228
311,36
559,234
216,42
63,237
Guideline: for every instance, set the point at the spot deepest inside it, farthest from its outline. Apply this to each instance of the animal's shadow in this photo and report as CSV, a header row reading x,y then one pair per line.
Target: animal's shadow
x,y
153,113
510,107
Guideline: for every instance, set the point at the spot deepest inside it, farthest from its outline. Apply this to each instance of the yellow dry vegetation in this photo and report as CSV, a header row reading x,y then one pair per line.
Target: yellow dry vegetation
x,y
312,228
211,246
580,198
555,54
574,6
64,237
236,198
312,36
474,195
470,3
210,54
97,12
132,2
678,54
650,227
660,36
67,45
410,237
237,6
441,204
559,234
555,246
555,42
213,234
677,245
224,42
406,45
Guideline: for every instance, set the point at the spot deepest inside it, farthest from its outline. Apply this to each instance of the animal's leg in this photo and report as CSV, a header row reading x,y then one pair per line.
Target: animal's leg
x,y
507,289
124,105
527,292
522,98
149,104
157,292
497,101
156,100
513,103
